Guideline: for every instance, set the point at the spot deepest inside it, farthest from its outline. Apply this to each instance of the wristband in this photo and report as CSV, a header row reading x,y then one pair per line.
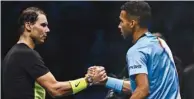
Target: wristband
x,y
78,85
115,84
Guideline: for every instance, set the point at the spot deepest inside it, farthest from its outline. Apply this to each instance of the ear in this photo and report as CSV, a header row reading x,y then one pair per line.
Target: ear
x,y
28,26
133,23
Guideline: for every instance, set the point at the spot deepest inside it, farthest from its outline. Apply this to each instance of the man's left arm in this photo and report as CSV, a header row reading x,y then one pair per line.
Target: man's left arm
x,y
137,66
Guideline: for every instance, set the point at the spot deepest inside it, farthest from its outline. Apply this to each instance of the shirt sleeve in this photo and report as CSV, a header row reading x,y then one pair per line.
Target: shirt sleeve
x,y
33,64
136,63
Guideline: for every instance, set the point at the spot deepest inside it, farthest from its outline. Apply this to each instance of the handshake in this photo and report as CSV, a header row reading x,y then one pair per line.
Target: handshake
x,y
96,75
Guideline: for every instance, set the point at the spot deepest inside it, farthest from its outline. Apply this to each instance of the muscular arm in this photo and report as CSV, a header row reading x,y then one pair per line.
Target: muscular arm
x,y
142,89
137,66
36,68
55,88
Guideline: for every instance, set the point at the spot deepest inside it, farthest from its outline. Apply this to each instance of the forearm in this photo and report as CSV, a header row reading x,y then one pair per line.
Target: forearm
x,y
60,89
126,87
140,93
56,88
68,87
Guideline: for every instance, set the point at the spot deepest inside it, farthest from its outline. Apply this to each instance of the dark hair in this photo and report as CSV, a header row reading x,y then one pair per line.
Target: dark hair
x,y
30,14
139,9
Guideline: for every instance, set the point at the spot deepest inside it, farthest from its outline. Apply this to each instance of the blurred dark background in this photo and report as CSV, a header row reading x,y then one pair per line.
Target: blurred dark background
x,y
86,33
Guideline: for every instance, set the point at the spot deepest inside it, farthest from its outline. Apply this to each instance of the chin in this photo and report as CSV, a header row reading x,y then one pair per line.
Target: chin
x,y
40,42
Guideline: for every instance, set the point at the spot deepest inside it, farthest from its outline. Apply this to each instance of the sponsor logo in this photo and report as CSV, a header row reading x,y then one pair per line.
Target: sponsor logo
x,y
134,66
77,84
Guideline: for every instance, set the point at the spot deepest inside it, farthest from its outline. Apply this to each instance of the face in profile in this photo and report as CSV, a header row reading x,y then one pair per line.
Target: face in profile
x,y
39,29
126,25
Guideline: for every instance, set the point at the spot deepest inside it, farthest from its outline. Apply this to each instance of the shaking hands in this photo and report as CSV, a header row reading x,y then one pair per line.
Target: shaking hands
x,y
96,75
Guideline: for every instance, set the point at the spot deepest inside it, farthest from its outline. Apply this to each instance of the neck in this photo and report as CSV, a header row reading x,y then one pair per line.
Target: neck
x,y
137,34
26,40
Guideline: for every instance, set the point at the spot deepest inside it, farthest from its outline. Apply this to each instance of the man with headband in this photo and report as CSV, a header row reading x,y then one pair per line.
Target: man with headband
x,y
25,75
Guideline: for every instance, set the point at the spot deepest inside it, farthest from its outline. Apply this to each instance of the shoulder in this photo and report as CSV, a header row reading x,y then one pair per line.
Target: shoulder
x,y
25,51
145,45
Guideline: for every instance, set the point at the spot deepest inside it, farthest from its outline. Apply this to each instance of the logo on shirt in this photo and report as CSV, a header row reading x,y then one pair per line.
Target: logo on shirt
x,y
135,67
77,84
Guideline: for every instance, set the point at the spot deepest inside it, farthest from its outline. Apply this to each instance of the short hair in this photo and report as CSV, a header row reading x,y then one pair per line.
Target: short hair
x,y
139,9
30,14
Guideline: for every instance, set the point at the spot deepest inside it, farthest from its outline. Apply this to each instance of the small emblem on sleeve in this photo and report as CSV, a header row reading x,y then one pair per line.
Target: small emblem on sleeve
x,y
134,66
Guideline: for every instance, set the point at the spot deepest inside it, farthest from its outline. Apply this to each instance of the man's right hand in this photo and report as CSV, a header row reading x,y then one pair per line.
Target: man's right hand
x,y
98,74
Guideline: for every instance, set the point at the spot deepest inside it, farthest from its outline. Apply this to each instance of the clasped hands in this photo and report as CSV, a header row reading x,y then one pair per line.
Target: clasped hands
x,y
97,74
